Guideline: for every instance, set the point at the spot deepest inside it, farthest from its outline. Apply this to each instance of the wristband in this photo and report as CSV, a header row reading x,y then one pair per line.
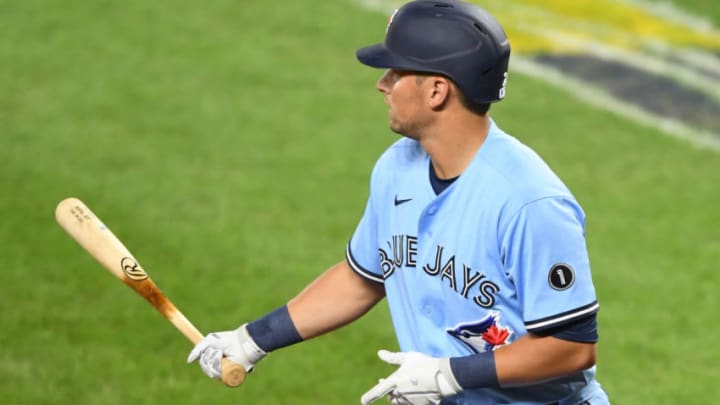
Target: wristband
x,y
274,330
475,371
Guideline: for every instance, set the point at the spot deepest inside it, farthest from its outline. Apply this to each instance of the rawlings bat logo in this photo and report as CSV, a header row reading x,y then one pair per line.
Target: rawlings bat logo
x,y
132,269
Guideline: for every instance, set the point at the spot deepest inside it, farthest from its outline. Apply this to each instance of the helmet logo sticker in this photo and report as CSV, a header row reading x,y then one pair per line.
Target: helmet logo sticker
x,y
390,20
501,93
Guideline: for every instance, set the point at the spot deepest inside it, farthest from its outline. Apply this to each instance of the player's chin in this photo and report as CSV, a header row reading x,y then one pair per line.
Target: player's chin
x,y
395,127
405,133
403,129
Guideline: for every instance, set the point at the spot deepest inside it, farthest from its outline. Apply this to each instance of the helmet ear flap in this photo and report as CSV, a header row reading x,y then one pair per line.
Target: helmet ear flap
x,y
456,39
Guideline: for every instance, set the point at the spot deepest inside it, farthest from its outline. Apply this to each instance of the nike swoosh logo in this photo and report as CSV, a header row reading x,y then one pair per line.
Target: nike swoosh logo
x,y
398,202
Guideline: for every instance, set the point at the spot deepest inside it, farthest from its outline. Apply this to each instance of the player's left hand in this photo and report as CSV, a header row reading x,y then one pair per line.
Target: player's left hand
x,y
237,345
420,380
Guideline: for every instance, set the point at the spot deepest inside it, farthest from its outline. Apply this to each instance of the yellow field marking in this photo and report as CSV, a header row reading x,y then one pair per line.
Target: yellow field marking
x,y
659,40
535,25
617,23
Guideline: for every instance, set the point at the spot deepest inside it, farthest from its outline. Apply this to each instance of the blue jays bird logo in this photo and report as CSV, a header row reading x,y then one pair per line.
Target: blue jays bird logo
x,y
483,335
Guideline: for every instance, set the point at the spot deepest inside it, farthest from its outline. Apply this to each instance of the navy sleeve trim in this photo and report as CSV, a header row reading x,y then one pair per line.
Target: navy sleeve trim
x,y
584,330
554,321
359,269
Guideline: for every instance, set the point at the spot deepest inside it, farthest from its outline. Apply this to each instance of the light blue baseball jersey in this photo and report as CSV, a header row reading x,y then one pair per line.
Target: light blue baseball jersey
x,y
499,253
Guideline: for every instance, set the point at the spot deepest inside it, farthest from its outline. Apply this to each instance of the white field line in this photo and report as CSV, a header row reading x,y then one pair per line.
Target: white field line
x,y
601,99
702,60
668,11
654,59
655,65
596,97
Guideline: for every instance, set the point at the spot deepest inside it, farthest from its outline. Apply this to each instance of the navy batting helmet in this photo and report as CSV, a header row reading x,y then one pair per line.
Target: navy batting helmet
x,y
452,38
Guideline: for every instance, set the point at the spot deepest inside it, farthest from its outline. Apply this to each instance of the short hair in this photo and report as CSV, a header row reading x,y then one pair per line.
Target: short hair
x,y
476,108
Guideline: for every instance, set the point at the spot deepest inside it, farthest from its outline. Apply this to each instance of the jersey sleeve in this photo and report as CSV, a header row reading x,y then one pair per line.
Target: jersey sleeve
x,y
362,249
545,255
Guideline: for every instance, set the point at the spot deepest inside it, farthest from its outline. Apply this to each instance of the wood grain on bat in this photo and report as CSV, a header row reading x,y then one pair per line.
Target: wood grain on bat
x,y
97,239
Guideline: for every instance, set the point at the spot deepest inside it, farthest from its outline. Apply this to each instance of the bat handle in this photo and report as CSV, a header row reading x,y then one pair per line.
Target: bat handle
x,y
233,374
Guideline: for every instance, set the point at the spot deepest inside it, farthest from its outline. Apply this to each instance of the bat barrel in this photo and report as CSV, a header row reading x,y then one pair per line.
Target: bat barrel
x,y
98,240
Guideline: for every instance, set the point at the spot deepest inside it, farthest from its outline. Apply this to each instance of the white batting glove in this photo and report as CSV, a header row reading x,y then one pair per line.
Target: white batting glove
x,y
420,380
236,345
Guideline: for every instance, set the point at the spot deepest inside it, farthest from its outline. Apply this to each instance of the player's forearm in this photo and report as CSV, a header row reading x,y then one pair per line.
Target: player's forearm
x,y
532,358
528,360
336,298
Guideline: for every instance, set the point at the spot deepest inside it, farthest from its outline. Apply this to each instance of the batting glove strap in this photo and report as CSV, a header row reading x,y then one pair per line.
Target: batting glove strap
x,y
236,345
447,384
419,380
252,352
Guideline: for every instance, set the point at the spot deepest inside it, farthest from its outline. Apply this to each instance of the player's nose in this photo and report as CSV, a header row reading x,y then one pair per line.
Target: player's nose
x,y
383,82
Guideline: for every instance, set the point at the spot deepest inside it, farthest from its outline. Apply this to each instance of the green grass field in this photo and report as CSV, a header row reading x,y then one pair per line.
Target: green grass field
x,y
229,145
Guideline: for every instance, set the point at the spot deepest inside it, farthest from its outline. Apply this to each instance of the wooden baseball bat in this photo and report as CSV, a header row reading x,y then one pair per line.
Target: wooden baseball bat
x,y
87,230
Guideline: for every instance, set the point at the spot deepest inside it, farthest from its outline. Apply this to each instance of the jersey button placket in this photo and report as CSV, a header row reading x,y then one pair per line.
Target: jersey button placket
x,y
426,221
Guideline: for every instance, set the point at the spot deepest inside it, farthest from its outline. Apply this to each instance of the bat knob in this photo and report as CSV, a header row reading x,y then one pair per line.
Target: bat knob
x,y
232,374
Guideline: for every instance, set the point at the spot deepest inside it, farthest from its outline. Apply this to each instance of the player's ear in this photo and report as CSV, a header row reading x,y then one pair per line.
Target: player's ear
x,y
438,91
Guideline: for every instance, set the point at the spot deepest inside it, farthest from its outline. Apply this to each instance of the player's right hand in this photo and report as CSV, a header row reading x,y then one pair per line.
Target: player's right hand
x,y
236,345
419,380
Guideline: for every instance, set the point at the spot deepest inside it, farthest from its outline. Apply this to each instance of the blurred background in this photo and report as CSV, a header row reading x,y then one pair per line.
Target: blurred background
x,y
229,145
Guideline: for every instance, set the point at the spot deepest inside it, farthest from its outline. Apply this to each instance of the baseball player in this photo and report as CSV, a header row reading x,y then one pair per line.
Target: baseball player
x,y
477,245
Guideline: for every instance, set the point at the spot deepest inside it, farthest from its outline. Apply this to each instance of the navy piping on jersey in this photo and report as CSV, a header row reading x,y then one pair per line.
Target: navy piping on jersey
x,y
554,321
578,325
358,269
